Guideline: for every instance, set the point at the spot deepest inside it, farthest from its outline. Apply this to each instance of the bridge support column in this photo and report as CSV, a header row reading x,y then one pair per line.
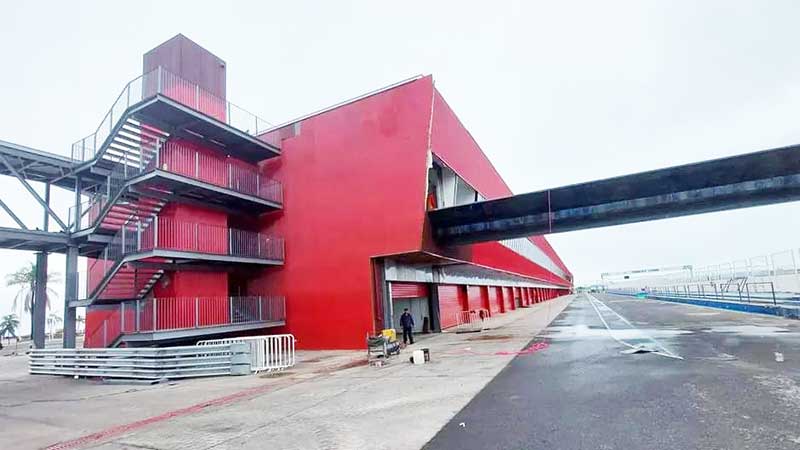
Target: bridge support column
x,y
70,293
39,301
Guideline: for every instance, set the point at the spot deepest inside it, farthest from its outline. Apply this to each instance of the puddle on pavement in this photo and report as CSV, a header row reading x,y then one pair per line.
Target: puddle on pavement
x,y
585,332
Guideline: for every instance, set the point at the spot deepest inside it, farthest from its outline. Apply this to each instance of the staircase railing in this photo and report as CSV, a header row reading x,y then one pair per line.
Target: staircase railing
x,y
175,157
164,233
159,81
182,313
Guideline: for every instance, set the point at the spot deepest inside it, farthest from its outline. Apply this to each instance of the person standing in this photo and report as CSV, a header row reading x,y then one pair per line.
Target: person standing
x,y
407,322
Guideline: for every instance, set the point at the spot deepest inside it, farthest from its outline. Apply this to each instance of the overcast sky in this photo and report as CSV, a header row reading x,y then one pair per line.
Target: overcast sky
x,y
554,92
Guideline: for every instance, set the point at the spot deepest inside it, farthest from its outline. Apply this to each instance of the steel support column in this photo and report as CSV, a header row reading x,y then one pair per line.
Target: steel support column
x,y
70,293
39,301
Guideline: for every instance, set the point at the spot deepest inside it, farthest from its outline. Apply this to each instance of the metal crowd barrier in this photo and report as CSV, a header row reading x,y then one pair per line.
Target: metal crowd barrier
x,y
267,353
143,363
472,321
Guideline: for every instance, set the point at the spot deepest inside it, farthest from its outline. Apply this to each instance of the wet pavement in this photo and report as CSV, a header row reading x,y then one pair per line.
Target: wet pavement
x,y
706,378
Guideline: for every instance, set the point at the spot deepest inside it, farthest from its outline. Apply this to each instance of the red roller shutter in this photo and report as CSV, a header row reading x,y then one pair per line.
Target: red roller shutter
x,y
409,290
495,300
451,302
475,299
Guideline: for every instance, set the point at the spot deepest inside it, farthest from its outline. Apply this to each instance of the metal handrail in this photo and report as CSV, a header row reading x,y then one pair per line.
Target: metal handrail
x,y
175,157
165,233
160,81
182,313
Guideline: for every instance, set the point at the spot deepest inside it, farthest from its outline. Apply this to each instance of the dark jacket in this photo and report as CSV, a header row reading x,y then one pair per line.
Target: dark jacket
x,y
407,320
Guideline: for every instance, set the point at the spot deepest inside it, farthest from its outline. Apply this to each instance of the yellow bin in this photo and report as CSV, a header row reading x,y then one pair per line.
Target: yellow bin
x,y
389,334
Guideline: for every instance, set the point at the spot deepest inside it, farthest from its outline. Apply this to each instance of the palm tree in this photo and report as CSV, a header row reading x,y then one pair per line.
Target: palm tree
x,y
25,280
8,326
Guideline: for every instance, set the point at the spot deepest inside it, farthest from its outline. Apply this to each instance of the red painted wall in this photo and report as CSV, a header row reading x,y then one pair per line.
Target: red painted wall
x,y
354,188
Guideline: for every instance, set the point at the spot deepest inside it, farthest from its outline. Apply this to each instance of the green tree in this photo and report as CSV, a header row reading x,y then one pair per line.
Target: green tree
x,y
24,280
8,326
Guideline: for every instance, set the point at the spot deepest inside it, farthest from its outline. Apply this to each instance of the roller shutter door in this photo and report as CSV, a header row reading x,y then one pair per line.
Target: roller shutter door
x,y
409,290
451,302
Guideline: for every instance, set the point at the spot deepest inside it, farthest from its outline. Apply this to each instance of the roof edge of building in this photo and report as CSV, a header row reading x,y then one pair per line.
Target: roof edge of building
x,y
346,102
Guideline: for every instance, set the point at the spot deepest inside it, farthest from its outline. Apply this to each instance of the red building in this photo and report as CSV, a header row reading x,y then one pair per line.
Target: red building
x,y
189,239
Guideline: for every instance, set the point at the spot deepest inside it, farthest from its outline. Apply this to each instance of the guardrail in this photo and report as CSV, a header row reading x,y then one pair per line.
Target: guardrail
x,y
160,81
267,353
741,291
472,321
182,313
143,363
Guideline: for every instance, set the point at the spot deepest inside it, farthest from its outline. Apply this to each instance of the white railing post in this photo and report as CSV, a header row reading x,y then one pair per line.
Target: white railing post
x,y
259,308
155,314
197,312
122,317
158,83
230,308
138,235
138,312
155,232
197,164
230,176
197,97
158,153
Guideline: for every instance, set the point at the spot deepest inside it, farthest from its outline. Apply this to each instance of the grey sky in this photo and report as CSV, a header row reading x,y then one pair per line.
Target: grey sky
x,y
554,92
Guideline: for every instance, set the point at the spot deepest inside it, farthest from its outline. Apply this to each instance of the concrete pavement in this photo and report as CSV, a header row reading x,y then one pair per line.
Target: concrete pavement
x,y
399,406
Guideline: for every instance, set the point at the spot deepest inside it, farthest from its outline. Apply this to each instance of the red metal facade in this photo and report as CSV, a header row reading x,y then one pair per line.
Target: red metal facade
x,y
354,186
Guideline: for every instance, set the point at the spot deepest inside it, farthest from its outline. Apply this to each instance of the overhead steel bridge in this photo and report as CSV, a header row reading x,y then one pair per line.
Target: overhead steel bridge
x,y
753,179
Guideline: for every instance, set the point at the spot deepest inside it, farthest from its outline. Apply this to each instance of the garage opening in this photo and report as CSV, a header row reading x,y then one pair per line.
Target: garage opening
x,y
416,298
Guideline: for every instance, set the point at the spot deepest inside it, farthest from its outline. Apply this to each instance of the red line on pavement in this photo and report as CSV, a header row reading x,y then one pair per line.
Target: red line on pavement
x,y
121,429
533,348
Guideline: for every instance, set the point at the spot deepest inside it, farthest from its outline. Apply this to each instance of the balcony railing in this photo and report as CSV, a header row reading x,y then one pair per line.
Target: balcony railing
x,y
164,233
160,81
183,313
226,172
178,158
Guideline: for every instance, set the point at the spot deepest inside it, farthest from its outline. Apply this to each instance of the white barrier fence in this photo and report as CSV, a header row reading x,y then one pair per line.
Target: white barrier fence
x,y
142,363
267,353
472,321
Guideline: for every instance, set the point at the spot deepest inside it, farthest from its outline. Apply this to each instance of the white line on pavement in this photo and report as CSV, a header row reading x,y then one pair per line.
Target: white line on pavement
x,y
665,352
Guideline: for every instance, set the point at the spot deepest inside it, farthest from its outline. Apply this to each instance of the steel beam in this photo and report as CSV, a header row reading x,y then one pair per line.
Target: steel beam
x,y
33,192
13,216
761,178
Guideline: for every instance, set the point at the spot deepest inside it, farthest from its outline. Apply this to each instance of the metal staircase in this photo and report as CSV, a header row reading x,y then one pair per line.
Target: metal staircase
x,y
137,148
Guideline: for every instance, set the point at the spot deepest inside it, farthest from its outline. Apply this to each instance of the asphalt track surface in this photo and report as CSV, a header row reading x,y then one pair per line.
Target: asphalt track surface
x,y
712,379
